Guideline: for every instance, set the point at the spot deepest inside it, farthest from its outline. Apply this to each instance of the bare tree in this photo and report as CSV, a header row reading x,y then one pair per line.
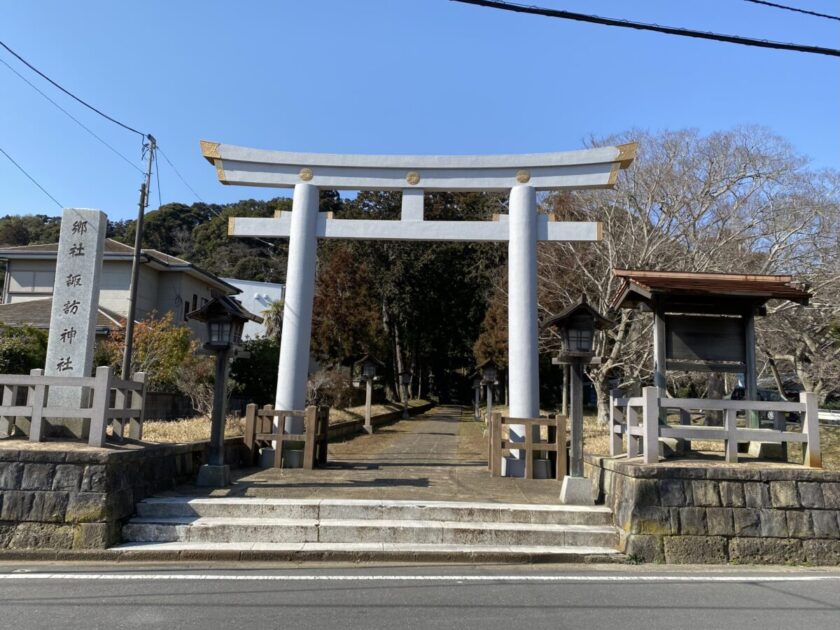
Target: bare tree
x,y
738,201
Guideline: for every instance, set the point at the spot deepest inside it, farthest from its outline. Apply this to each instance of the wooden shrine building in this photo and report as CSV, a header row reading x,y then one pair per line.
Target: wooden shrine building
x,y
704,322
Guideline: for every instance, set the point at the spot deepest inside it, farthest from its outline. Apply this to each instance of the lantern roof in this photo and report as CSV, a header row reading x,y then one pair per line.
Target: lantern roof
x,y
223,306
489,363
581,306
369,358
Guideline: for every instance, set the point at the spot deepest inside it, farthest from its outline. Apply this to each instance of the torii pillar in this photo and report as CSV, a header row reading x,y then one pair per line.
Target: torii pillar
x,y
519,175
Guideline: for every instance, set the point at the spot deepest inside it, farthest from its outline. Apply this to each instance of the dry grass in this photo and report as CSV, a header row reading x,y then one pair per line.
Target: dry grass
x,y
197,429
188,429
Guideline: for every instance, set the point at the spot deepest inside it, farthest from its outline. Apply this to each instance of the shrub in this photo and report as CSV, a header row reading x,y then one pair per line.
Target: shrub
x,y
161,350
22,348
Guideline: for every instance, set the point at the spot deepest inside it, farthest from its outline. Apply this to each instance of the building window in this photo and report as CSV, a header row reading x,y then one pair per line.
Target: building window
x,y
195,301
186,310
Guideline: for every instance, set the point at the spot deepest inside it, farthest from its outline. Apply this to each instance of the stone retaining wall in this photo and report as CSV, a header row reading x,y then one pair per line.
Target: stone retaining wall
x,y
70,496
695,512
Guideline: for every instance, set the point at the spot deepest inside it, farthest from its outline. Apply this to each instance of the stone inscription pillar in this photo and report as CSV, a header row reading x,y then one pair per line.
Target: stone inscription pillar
x,y
297,310
75,303
522,308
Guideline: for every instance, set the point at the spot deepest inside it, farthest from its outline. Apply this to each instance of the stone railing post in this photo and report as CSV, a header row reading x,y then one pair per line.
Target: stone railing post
x,y
616,418
138,401
811,428
730,422
101,403
650,418
37,399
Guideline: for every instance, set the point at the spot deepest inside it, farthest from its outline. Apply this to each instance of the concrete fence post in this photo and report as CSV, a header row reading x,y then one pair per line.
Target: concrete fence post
x,y
650,418
811,427
138,401
37,398
616,418
7,423
730,421
99,408
632,417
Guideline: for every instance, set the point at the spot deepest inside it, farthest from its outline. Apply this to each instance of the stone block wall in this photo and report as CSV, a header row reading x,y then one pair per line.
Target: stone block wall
x,y
66,496
716,513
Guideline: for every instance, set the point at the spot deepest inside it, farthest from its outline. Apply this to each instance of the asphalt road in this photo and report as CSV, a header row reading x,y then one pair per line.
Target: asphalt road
x,y
251,596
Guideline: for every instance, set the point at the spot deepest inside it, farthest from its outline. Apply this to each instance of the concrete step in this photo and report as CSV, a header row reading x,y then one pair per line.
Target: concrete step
x,y
474,512
361,552
269,530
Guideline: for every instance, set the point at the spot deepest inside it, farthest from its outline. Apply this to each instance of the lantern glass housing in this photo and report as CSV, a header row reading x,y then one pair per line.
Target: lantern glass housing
x,y
220,332
369,370
579,334
490,373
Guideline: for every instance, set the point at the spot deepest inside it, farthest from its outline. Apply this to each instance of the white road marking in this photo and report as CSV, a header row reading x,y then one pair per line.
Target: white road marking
x,y
415,578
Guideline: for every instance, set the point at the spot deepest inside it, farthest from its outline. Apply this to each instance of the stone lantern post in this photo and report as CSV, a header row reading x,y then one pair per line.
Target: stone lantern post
x,y
225,318
576,326
368,366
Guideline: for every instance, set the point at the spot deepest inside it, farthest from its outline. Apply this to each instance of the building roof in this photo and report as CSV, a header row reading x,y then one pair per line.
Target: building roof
x,y
114,250
719,291
37,313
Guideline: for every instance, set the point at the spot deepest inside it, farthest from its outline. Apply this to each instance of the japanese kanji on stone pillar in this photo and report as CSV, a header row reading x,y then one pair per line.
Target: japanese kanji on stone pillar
x,y
75,303
519,175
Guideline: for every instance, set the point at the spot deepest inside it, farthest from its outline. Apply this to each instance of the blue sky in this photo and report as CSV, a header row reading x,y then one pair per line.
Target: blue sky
x,y
384,76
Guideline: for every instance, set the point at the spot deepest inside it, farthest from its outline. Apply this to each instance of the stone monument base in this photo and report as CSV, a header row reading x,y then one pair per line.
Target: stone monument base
x,y
576,491
210,476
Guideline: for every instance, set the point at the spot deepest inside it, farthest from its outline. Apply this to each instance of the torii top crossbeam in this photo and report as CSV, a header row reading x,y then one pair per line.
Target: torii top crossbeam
x,y
591,168
520,175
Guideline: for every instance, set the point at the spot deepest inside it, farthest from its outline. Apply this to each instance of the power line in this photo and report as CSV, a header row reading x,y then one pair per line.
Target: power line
x,y
70,94
669,30
71,117
197,196
184,181
795,9
32,179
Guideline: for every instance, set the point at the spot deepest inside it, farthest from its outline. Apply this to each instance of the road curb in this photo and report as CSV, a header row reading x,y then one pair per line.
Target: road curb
x,y
225,555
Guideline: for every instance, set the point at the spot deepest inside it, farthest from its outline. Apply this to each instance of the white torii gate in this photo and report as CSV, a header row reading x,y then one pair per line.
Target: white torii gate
x,y
521,175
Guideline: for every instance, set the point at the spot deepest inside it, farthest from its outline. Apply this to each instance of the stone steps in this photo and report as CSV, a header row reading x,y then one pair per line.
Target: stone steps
x,y
376,529
172,507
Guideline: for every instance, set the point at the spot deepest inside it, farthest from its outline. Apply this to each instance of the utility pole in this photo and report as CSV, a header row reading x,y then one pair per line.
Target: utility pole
x,y
135,263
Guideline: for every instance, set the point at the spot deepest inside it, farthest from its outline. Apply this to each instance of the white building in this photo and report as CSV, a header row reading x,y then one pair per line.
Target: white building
x,y
256,297
167,284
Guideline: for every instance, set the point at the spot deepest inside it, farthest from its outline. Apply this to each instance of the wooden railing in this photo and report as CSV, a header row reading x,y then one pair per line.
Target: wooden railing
x,y
501,444
260,431
638,419
106,401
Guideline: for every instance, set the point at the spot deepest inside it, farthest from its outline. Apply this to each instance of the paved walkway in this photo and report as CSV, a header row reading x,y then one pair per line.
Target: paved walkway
x,y
437,456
